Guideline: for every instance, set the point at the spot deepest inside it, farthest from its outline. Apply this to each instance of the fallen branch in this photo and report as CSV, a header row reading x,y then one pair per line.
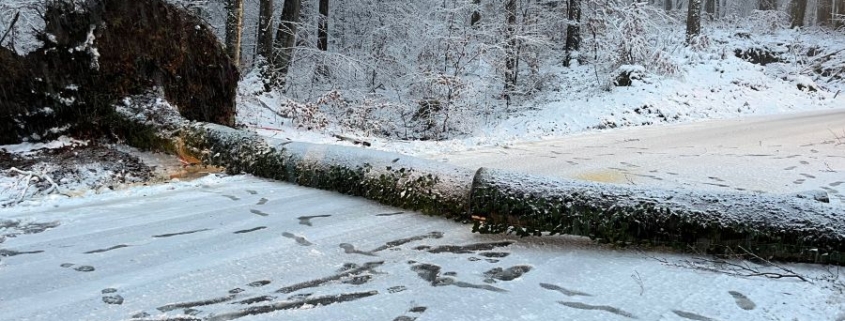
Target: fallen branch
x,y
733,269
11,26
352,140
29,177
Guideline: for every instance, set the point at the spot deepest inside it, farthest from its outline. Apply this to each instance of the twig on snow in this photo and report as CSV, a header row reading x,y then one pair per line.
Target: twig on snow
x,y
12,26
352,140
29,177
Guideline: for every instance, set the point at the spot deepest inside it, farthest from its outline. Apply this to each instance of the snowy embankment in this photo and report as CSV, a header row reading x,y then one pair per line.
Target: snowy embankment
x,y
711,83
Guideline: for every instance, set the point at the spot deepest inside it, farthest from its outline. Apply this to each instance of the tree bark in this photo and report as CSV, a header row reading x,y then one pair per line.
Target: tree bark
x,y
323,26
510,48
476,14
693,20
234,29
285,41
767,4
777,227
265,29
710,8
824,10
573,30
798,10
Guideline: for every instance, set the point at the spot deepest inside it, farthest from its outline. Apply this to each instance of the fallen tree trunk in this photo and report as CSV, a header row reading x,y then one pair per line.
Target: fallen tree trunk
x,y
388,178
772,227
780,228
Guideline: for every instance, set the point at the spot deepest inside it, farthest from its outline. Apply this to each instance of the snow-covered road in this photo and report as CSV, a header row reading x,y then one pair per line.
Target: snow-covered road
x,y
786,153
224,248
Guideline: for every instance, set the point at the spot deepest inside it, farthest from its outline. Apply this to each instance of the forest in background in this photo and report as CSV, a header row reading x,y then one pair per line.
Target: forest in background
x,y
432,70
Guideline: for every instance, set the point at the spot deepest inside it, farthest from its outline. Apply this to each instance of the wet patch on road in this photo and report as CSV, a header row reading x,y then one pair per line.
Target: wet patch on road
x,y
348,274
606,308
742,301
180,233
306,220
391,244
299,239
463,249
119,246
250,230
562,290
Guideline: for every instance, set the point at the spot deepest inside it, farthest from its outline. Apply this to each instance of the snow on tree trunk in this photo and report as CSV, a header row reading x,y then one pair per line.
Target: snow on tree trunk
x,y
824,10
780,228
234,28
693,20
476,15
573,31
510,48
767,4
323,26
710,8
285,41
798,10
265,29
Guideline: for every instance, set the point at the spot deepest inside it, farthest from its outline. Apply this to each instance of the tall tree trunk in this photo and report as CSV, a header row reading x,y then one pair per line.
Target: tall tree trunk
x,y
234,28
510,48
573,30
767,4
476,14
799,8
824,9
265,29
667,5
710,8
693,20
285,40
323,26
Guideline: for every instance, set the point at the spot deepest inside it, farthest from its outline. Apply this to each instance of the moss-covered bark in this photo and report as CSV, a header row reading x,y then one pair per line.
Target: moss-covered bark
x,y
782,228
388,178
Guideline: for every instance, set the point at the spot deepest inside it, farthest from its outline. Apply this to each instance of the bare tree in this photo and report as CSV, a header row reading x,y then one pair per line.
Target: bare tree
x,y
285,41
573,30
710,8
234,28
797,12
824,10
323,26
693,20
476,15
265,29
767,4
511,57
667,5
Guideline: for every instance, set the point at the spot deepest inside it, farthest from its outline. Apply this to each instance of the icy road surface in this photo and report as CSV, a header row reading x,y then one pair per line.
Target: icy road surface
x,y
242,248
788,153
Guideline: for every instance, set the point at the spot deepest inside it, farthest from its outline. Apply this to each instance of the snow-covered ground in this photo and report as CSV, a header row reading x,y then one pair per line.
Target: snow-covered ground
x,y
711,84
224,248
789,153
